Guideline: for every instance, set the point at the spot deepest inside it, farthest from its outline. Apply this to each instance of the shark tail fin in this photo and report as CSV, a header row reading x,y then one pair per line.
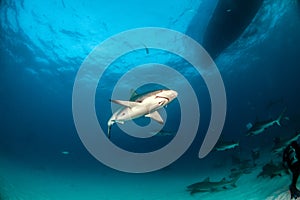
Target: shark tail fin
x,y
280,117
108,132
109,125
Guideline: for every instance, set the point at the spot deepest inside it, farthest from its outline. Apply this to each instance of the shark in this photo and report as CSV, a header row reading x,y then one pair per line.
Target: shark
x,y
260,127
163,133
244,166
272,170
224,146
145,105
213,186
281,144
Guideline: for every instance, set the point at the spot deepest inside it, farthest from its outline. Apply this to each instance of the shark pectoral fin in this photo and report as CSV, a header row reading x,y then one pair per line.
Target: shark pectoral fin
x,y
155,116
129,104
278,122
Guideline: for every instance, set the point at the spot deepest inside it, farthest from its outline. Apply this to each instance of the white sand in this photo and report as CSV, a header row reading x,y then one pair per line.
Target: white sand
x,y
21,182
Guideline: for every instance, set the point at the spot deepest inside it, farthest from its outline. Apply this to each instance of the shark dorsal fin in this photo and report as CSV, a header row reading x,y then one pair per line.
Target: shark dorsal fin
x,y
207,179
133,94
129,104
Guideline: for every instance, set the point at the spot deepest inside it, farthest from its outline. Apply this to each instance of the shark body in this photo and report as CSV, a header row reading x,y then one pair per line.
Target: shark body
x,y
272,170
260,127
224,146
163,133
141,105
283,143
212,186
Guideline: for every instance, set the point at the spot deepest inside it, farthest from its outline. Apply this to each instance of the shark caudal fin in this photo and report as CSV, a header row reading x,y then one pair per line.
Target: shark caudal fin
x,y
108,132
280,117
109,125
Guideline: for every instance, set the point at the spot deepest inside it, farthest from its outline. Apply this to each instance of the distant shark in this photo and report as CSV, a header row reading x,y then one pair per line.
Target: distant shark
x,y
260,127
281,144
163,133
224,146
242,166
272,170
209,186
141,105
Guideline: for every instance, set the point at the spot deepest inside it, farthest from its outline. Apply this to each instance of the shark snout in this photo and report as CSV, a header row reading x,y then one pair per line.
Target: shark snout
x,y
174,94
171,94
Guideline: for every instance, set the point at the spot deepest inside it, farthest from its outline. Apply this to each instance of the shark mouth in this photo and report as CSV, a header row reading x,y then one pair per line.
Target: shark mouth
x,y
163,98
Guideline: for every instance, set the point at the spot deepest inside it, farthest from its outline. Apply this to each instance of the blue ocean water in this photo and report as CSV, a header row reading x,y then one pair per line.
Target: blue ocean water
x,y
43,45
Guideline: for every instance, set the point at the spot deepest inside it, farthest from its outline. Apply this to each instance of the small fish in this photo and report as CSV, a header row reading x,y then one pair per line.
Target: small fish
x,y
65,152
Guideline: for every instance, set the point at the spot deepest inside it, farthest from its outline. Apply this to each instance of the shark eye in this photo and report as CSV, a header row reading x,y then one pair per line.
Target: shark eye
x,y
123,114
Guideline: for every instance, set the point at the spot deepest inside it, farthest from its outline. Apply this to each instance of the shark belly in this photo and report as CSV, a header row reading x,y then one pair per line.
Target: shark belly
x,y
257,132
131,113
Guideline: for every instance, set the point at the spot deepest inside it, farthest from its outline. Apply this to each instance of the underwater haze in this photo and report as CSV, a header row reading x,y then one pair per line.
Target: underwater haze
x,y
44,44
